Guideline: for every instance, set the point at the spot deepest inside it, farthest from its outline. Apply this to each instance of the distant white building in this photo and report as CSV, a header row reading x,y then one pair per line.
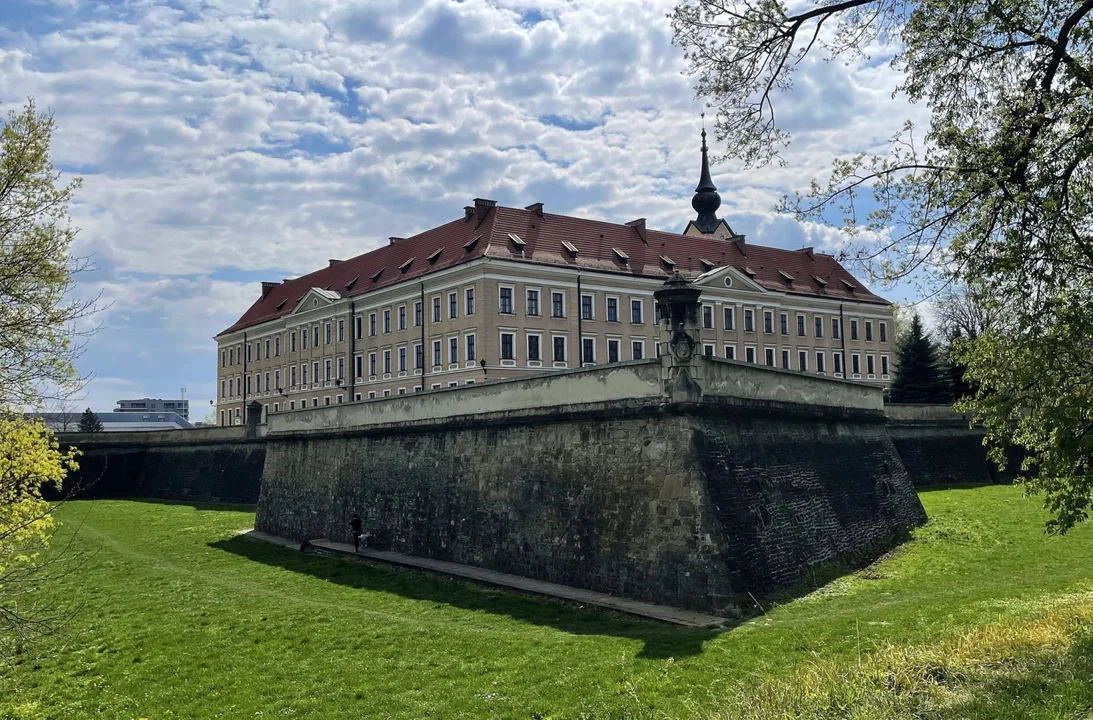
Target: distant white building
x,y
154,405
128,421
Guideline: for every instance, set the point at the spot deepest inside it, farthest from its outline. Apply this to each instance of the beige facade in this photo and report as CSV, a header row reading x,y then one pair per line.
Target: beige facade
x,y
493,318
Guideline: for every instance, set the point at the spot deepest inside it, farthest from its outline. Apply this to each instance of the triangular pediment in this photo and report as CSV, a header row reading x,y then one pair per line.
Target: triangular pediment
x,y
738,279
721,232
316,298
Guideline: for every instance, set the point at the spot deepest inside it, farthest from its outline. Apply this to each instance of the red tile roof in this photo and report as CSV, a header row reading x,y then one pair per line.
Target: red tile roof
x,y
545,237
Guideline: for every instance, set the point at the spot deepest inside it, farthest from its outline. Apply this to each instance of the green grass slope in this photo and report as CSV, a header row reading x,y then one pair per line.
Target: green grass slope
x,y
979,615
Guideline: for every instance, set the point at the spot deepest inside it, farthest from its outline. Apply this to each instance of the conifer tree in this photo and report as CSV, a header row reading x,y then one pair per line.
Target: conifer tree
x,y
919,376
89,422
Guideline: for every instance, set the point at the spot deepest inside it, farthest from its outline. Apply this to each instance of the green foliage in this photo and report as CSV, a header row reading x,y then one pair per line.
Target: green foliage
x,y
919,376
970,619
995,194
38,313
89,422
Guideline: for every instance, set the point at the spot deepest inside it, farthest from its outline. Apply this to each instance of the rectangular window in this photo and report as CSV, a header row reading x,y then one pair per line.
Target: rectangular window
x,y
883,364
819,326
231,356
533,303
303,374
869,331
326,369
802,360
327,333
291,343
468,302
326,400
231,387
534,352
453,305
505,308
768,322
453,350
386,362
559,349
749,321
557,304
730,352
358,366
277,346
588,350
386,321
612,309
341,368
785,360
853,329
371,365
470,349
637,350
855,362
749,354
419,356
436,309
402,359
838,362
707,317
357,327
821,365
371,394
871,364
730,317
636,312
707,350
341,330
612,351
372,324
419,314
248,353
586,307
835,329
304,334
800,326
884,333
292,375
784,320
223,389
436,353
401,317
223,363
507,350
769,352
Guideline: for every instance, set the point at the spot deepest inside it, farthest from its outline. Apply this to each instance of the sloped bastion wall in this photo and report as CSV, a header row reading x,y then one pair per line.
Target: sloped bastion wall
x,y
686,482
204,465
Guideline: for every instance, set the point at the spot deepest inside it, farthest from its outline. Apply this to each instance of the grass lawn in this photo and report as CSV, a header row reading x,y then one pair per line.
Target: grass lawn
x,y
979,615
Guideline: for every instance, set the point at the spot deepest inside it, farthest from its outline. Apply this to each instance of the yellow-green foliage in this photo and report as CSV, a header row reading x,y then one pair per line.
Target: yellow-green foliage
x,y
30,459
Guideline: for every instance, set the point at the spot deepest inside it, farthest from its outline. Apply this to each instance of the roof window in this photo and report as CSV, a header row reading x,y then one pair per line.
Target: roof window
x,y
517,240
432,258
668,261
406,265
569,246
786,276
623,257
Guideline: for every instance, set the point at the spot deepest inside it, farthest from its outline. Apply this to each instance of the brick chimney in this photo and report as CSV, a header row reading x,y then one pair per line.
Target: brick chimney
x,y
639,225
333,262
536,208
267,287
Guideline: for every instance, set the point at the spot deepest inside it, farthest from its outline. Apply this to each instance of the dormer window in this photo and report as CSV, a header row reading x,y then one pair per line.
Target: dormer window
x,y
707,264
432,258
569,246
849,285
819,280
469,245
352,282
623,257
749,272
282,303
376,275
786,276
406,265
668,261
517,240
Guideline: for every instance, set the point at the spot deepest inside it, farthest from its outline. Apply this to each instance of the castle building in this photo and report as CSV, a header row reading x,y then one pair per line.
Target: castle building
x,y
502,292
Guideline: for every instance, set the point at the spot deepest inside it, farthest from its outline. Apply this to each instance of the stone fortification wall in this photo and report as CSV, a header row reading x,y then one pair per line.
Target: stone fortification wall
x,y
203,465
595,479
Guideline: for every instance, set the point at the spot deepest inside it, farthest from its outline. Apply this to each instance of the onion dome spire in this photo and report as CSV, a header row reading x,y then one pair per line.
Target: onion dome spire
x,y
706,201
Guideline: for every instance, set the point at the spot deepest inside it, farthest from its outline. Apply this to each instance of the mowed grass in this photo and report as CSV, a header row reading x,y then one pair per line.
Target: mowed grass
x,y
980,615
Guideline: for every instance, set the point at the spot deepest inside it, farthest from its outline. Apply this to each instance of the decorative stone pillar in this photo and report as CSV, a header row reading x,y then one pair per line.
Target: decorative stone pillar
x,y
681,370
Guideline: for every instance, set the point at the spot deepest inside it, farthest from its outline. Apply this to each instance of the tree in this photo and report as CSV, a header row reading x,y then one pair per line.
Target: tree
x,y
995,193
89,422
919,378
39,343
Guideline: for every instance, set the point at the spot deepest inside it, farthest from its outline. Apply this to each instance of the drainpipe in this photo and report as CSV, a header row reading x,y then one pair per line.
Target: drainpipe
x,y
352,349
580,324
246,378
423,348
842,339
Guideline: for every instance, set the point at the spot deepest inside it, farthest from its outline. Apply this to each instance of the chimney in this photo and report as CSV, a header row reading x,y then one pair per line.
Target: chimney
x,y
468,213
394,239
639,225
333,262
536,208
286,280
808,251
267,286
740,244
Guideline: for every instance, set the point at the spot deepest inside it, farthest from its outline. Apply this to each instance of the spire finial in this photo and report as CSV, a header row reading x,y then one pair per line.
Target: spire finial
x,y
706,201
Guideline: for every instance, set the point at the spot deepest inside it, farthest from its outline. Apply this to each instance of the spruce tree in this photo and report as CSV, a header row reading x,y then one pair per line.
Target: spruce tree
x,y
919,376
89,422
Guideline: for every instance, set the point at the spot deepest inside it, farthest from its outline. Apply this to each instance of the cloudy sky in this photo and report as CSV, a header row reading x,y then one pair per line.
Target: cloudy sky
x,y
226,142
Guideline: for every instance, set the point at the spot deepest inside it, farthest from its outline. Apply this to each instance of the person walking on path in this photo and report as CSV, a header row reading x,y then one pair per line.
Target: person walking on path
x,y
355,524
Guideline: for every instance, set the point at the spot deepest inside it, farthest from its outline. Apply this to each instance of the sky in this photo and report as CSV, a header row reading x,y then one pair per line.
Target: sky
x,y
226,142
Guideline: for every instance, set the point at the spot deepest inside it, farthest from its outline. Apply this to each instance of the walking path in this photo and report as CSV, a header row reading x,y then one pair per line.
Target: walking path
x,y
492,577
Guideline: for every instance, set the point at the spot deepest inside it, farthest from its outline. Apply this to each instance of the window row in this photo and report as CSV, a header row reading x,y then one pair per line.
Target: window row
x,y
533,305
395,317
801,328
